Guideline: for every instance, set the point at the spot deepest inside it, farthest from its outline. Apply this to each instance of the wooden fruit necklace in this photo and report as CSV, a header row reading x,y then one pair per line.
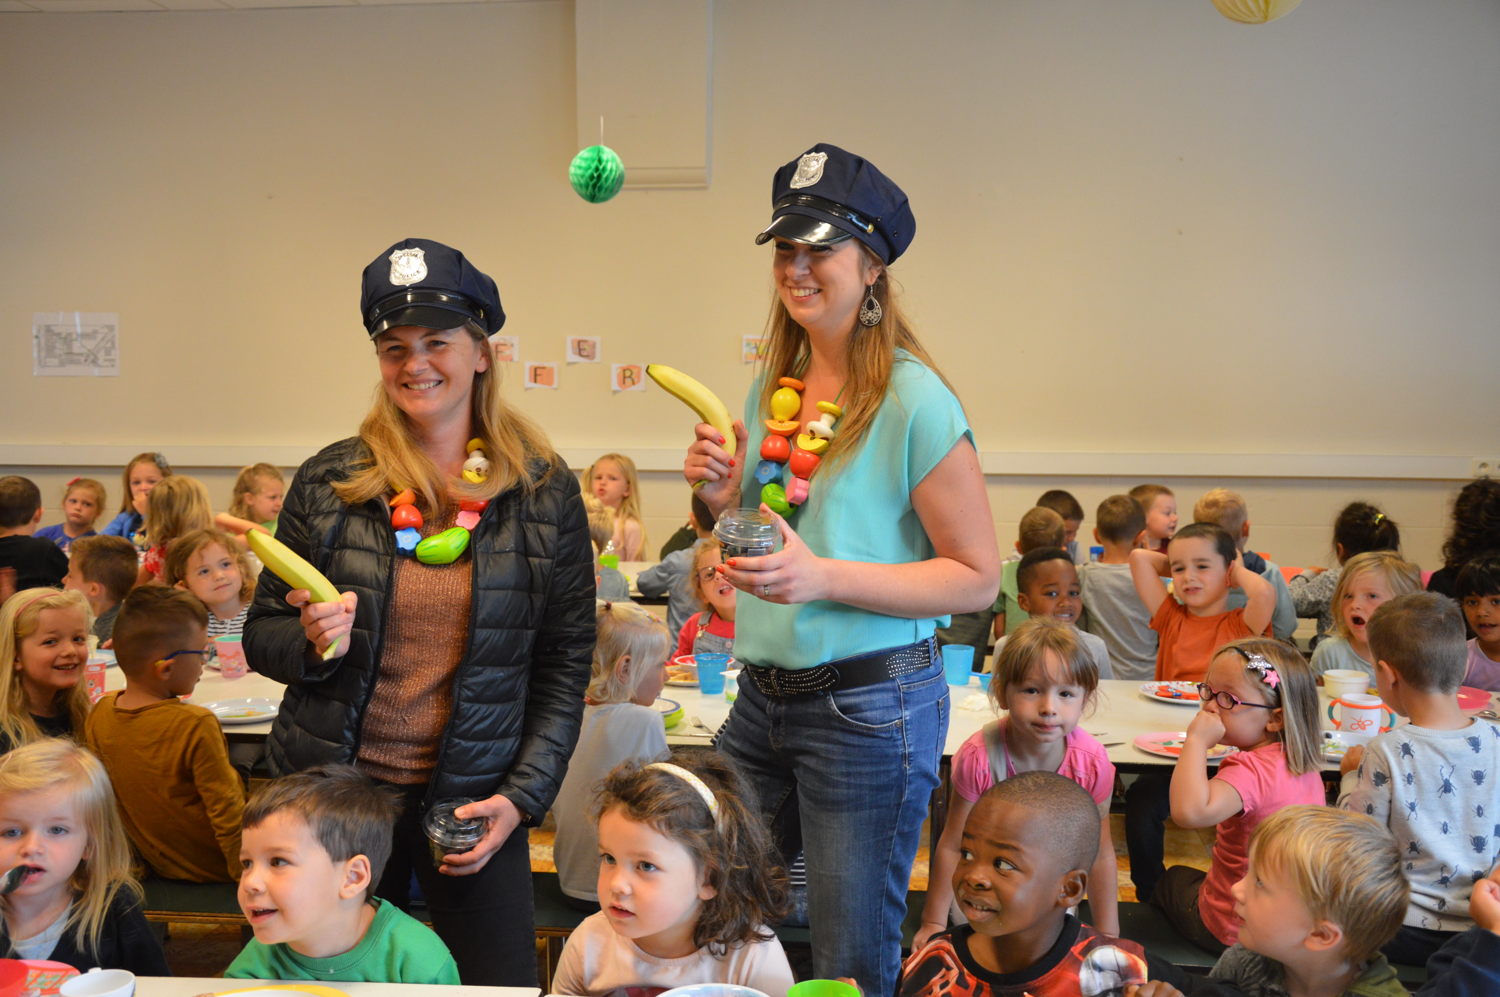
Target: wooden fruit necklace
x,y
781,457
447,546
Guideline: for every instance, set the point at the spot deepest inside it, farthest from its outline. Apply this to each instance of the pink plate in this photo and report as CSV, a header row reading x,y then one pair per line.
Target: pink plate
x,y
1168,744
1470,698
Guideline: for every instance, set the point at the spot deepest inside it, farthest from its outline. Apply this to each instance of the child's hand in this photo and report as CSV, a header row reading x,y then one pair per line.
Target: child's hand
x,y
1484,902
1205,729
1351,758
1152,988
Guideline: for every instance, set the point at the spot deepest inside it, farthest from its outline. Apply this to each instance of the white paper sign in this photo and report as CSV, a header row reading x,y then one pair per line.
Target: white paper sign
x,y
627,376
584,349
506,349
752,348
541,375
75,344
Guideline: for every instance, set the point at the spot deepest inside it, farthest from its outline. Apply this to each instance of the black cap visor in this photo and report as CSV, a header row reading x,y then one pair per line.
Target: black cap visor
x,y
424,308
809,228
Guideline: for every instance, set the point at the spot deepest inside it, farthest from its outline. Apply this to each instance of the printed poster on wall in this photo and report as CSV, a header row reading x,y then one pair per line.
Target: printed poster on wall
x,y
75,344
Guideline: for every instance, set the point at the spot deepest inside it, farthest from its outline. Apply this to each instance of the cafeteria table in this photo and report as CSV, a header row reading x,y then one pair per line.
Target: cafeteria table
x,y
207,986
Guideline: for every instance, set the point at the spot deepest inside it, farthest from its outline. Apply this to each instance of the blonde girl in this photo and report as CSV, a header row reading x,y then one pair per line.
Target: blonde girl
x,y
44,641
144,472
176,506
1367,580
83,503
1260,698
711,629
257,495
78,904
612,480
210,565
687,879
620,724
1045,679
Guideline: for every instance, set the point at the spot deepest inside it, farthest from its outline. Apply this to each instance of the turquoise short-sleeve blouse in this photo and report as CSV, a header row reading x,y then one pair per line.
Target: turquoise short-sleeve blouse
x,y
858,510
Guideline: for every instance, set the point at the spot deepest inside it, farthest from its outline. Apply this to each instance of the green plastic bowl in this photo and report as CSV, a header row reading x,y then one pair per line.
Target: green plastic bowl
x,y
671,712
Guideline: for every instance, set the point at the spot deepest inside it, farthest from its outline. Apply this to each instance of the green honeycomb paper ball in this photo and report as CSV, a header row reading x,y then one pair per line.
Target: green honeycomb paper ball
x,y
596,173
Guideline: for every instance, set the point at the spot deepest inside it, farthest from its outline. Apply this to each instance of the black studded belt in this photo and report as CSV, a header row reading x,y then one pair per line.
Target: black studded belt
x,y
844,673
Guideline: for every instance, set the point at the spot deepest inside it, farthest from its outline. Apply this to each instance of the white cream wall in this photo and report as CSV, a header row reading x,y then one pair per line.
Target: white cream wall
x,y
1146,234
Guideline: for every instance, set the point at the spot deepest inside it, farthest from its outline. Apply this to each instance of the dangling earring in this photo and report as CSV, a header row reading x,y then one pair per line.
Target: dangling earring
x,y
870,311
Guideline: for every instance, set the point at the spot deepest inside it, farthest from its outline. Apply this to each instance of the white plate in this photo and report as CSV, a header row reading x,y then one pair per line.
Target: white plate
x,y
1176,693
682,665
243,711
1336,744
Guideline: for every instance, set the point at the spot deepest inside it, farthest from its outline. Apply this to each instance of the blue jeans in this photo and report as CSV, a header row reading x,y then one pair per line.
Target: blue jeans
x,y
847,777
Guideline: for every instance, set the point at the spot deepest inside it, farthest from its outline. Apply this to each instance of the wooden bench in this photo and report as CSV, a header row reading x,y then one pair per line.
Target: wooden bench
x,y
191,903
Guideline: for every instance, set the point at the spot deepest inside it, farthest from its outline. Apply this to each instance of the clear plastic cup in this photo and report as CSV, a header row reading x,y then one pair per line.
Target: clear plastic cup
x,y
745,533
449,834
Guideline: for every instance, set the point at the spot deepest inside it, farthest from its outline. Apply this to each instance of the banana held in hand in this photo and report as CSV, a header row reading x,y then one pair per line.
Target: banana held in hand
x,y
293,569
698,398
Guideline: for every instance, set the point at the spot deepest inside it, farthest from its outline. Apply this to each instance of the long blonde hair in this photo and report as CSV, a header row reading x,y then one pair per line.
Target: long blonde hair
x,y
512,442
1401,575
871,356
248,483
630,505
625,630
19,618
177,505
104,872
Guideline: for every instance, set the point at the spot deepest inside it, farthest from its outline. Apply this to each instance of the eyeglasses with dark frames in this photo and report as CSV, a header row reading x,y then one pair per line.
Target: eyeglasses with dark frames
x,y
1226,700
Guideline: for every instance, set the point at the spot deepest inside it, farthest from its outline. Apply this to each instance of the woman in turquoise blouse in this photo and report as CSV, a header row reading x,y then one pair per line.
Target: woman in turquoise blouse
x,y
843,708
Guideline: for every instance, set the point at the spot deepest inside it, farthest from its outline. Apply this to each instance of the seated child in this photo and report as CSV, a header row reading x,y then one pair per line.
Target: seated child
x,y
1478,591
688,879
175,507
1027,848
144,472
1159,506
1065,505
1044,681
313,848
1468,965
611,583
37,562
1228,510
1367,581
83,502
613,481
1049,588
180,799
210,565
1359,527
712,630
1039,528
1194,620
1322,892
673,577
78,904
1432,781
619,725
44,645
257,496
1260,698
103,568
1113,610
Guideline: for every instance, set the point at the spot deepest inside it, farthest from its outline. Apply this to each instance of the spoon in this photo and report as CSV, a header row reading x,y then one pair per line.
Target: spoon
x,y
12,879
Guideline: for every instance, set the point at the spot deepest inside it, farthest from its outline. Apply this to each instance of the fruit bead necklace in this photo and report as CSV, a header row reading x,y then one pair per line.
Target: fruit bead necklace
x,y
447,546
786,468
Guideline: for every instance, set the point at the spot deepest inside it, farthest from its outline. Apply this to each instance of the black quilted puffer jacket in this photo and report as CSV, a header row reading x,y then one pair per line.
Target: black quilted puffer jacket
x,y
518,699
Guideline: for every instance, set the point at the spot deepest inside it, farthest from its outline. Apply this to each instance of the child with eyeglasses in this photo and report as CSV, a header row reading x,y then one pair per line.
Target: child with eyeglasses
x,y
711,630
180,798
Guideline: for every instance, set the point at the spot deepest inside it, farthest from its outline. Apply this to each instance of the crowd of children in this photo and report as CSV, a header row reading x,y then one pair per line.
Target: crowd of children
x,y
1300,898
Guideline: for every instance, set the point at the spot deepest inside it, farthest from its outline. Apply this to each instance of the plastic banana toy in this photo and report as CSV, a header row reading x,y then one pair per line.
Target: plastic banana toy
x,y
691,391
294,569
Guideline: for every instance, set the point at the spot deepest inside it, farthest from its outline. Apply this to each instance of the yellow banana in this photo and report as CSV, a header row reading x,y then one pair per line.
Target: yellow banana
x,y
293,569
691,391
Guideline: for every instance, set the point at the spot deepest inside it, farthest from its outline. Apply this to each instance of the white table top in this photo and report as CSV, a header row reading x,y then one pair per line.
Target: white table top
x,y
213,687
189,986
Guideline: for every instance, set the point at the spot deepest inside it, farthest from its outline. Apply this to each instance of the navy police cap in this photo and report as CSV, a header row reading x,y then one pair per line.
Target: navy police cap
x,y
827,195
425,283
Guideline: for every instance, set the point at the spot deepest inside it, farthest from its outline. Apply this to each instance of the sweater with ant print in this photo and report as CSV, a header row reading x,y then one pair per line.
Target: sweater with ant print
x,y
1439,793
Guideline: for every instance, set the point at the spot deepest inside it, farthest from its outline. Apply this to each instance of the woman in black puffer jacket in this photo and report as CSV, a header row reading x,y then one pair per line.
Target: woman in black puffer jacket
x,y
454,674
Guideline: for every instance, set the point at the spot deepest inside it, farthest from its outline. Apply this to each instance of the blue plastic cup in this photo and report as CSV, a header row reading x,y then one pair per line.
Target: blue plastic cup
x,y
958,662
711,668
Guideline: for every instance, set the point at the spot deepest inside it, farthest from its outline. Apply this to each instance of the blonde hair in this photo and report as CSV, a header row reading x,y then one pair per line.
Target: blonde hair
x,y
1345,866
178,505
248,483
1225,509
1401,575
624,629
94,486
104,872
601,522
630,505
181,550
512,443
701,550
868,363
126,503
1295,694
19,619
1025,648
